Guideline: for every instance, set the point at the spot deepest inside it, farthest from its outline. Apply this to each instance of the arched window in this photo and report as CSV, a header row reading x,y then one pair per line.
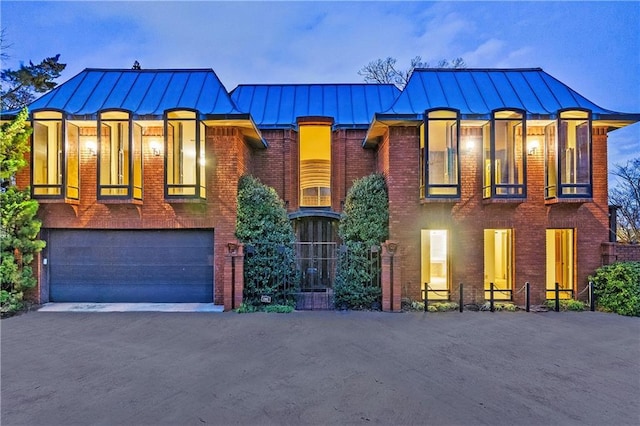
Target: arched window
x,y
55,168
185,155
117,164
569,157
439,154
504,156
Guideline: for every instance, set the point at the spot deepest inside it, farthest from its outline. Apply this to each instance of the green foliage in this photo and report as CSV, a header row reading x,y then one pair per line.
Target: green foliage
x,y
499,306
14,144
263,227
19,86
10,302
364,224
278,309
566,305
441,306
617,288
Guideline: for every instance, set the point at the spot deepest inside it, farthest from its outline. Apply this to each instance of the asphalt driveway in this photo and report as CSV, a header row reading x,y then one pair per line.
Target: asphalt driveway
x,y
320,368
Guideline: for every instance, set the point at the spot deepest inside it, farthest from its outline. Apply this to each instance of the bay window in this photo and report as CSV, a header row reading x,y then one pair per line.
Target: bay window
x,y
504,156
439,154
185,158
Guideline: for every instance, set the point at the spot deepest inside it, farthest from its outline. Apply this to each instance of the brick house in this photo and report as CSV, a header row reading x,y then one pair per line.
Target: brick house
x,y
496,177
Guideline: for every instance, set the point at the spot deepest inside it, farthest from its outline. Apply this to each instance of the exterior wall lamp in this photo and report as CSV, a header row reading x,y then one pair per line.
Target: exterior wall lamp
x,y
91,147
533,146
155,148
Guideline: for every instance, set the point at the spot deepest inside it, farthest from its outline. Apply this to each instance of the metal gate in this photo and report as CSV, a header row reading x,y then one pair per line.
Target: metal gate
x,y
317,263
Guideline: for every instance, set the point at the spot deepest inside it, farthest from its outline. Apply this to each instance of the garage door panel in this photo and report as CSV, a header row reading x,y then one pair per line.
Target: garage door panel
x,y
131,265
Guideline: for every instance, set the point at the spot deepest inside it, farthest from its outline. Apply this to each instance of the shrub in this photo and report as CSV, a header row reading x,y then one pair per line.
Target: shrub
x,y
364,224
566,305
617,288
263,227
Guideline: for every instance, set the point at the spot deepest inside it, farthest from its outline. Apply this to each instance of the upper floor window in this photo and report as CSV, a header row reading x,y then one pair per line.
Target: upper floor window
x,y
568,156
439,155
504,156
55,169
315,165
185,155
117,163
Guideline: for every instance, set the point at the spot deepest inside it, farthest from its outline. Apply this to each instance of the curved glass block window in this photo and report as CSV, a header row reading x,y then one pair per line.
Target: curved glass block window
x,y
117,163
185,156
47,154
439,143
315,165
504,156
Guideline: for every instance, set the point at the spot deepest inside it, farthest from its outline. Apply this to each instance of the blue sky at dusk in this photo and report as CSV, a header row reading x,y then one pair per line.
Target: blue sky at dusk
x,y
594,47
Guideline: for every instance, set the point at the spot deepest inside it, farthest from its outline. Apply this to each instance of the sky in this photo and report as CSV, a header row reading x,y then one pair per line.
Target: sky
x,y
593,47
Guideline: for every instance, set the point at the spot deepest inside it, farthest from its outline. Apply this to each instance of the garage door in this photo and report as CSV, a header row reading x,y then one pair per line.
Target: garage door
x,y
130,265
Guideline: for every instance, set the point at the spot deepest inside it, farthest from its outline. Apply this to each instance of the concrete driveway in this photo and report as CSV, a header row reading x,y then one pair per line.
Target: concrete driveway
x,y
320,368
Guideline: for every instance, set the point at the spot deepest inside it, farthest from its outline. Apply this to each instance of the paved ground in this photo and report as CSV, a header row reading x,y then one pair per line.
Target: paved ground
x,y
320,368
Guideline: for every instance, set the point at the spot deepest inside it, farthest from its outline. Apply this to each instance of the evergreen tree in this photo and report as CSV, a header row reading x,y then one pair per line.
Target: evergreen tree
x,y
18,87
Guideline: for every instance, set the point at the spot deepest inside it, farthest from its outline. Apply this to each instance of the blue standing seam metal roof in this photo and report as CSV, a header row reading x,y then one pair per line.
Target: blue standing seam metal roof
x,y
145,93
478,92
279,105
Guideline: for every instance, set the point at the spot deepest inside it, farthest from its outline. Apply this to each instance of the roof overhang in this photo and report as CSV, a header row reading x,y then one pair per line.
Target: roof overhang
x,y
381,122
243,122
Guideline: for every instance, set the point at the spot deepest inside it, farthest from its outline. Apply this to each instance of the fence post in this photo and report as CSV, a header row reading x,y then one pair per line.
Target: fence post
x,y
425,295
592,300
491,308
557,291
527,296
461,307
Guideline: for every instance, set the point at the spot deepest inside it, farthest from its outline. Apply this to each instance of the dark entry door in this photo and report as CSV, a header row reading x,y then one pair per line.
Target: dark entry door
x,y
130,265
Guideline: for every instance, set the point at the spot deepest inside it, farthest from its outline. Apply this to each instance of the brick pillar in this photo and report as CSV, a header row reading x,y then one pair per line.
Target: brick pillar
x,y
609,254
233,276
391,277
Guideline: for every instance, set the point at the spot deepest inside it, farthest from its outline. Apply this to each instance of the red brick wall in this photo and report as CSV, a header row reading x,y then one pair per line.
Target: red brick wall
x,y
278,165
228,157
627,253
398,156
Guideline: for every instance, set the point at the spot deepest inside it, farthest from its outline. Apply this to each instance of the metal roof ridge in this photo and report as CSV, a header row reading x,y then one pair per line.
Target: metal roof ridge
x,y
145,70
312,84
536,69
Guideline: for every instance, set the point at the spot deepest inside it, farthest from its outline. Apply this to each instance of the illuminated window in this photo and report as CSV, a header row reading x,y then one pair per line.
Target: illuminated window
x,y
116,161
48,154
574,154
55,165
498,261
503,156
185,155
315,165
439,143
560,254
435,266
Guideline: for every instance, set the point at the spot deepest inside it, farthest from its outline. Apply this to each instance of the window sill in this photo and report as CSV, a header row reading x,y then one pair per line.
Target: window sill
x,y
120,201
503,200
56,201
552,201
443,200
185,200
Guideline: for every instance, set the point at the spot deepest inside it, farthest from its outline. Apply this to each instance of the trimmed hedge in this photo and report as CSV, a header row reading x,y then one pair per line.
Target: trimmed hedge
x,y
617,288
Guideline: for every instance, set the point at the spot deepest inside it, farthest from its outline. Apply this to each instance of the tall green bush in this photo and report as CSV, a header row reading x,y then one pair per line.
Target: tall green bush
x,y
364,224
19,227
617,288
263,227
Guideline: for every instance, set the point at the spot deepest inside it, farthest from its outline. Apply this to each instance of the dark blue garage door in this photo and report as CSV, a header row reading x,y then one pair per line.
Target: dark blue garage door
x,y
130,265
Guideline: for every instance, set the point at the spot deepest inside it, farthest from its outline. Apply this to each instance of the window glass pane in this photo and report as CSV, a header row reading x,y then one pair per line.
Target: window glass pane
x,y
203,162
73,166
498,261
574,146
315,165
115,158
443,114
137,162
486,161
560,253
47,157
574,114
442,165
551,161
40,115
114,115
182,161
507,114
181,114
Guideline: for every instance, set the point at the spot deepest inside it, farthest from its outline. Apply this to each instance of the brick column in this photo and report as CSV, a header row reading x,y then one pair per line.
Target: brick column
x,y
233,276
391,277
